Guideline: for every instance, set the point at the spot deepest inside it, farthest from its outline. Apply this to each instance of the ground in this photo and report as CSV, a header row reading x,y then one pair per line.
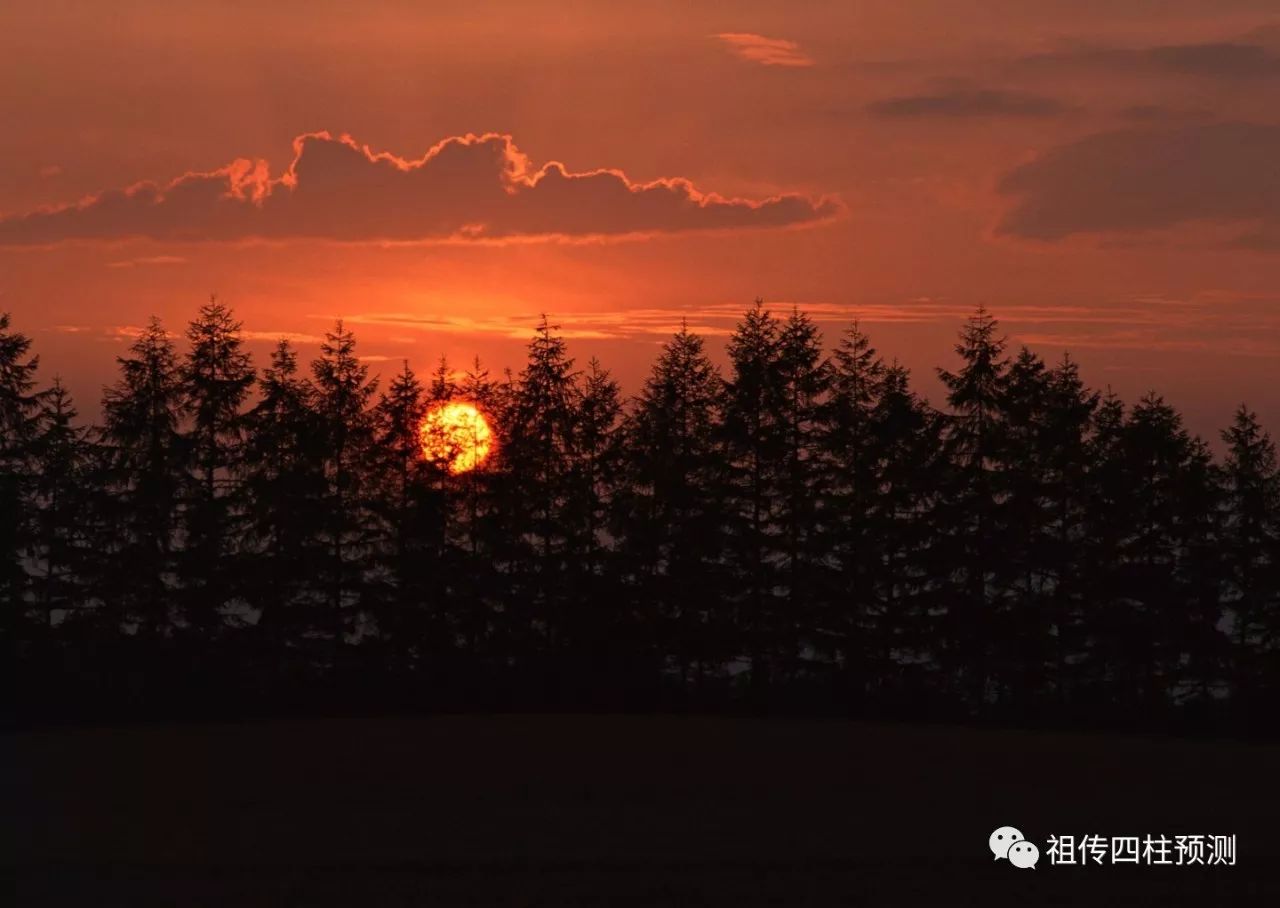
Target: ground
x,y
575,810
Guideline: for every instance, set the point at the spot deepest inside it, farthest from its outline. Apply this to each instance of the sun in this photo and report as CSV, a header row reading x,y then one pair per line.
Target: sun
x,y
457,435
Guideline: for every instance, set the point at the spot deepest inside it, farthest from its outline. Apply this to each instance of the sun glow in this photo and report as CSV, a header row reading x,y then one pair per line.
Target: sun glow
x,y
457,436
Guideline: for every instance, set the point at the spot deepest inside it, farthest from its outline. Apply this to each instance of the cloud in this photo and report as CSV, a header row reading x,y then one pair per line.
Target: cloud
x,y
969,103
1148,179
464,188
115,332
1156,113
148,260
293,337
1221,320
1223,60
765,51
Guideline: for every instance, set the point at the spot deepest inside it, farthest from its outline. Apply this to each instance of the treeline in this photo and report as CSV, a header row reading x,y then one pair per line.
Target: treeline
x,y
803,532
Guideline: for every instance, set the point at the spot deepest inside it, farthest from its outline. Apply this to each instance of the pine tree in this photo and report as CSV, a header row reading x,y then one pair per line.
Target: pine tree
x,y
852,460
60,452
443,387
595,471
969,510
1106,617
538,453
19,408
1251,553
285,495
143,474
344,435
803,379
1167,578
216,376
898,622
1020,572
409,504
479,531
754,440
597,451
1065,462
670,515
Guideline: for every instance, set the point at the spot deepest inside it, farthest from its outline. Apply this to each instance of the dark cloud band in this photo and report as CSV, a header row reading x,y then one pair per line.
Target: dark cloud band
x,y
470,187
1148,179
970,103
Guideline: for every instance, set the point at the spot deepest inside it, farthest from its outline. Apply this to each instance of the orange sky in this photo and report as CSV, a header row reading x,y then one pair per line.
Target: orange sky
x,y
1101,174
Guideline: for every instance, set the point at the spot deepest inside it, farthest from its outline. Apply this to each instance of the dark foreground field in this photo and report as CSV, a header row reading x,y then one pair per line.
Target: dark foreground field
x,y
558,811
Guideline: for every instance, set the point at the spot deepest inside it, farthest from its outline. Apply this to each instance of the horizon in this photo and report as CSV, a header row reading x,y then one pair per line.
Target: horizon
x,y
383,368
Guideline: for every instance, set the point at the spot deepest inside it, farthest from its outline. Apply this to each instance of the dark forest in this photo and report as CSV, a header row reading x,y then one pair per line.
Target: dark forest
x,y
800,532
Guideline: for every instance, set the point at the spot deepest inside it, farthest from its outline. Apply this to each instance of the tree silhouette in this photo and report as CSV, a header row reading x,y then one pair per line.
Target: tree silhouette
x,y
670,513
754,433
1251,554
216,375
284,487
143,472
804,533
346,531
60,454
971,525
539,450
409,600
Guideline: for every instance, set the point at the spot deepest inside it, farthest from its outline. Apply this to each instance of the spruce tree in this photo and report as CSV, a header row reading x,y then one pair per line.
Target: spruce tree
x,y
478,530
969,512
1251,553
285,488
538,453
216,376
755,443
595,470
670,514
1167,577
19,408
408,502
803,380
901,637
851,566
60,454
1065,463
346,531
1020,571
1105,616
137,518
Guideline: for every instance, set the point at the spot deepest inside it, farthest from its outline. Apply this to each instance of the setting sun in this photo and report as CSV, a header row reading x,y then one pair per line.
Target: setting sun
x,y
456,435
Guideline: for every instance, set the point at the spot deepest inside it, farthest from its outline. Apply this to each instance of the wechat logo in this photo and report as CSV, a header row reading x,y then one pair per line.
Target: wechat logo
x,y
1009,843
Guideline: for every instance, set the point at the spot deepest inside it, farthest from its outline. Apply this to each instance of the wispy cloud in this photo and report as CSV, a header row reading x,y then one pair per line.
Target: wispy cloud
x,y
719,319
1212,321
294,337
1237,60
765,51
117,332
968,103
148,260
